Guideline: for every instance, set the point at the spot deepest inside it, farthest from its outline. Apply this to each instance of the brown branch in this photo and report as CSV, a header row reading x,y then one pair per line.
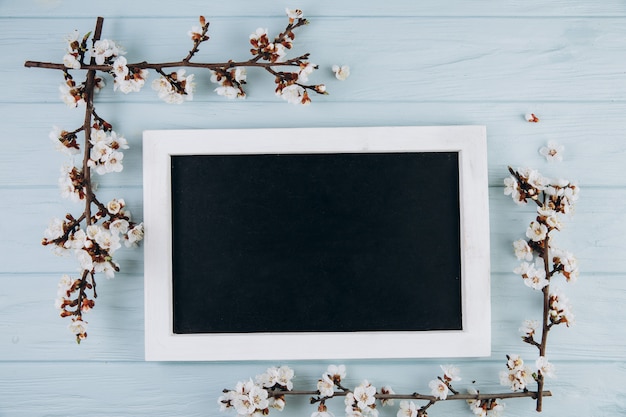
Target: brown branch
x,y
89,110
416,396
254,62
546,324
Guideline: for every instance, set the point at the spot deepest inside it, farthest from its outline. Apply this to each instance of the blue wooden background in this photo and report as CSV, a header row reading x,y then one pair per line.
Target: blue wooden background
x,y
413,63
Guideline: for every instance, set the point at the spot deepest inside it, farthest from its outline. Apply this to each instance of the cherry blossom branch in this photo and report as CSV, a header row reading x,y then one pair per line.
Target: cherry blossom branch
x,y
414,396
98,232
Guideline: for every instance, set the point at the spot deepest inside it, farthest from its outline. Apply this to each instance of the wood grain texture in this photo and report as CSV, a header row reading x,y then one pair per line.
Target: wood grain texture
x,y
399,8
413,63
192,389
520,59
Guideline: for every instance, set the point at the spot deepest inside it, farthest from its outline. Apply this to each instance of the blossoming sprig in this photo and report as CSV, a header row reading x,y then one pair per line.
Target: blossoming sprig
x,y
197,35
360,402
251,398
489,407
175,86
553,198
329,380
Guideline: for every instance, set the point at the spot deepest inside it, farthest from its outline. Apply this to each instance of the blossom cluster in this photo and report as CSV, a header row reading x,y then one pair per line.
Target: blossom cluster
x,y
560,309
553,198
105,155
492,407
177,87
441,387
361,401
73,94
252,398
331,379
518,375
127,80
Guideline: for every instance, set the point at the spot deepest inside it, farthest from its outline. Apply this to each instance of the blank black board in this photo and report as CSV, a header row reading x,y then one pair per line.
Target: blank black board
x,y
337,242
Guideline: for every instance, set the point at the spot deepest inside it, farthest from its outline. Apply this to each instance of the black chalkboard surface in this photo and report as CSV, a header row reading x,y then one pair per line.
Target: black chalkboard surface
x,y
333,242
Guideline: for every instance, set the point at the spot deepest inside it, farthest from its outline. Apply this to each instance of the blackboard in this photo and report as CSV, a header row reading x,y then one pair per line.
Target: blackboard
x,y
317,242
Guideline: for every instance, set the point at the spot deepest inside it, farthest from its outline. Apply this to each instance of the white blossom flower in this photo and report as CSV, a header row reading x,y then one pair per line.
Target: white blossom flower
x,y
285,376
560,309
511,187
386,390
71,61
536,231
71,95
522,250
258,397
305,71
55,229
407,409
79,328
566,263
364,395
293,14
258,34
553,152
545,367
113,163
117,141
108,241
293,93
64,286
225,400
240,74
114,206
269,378
64,141
438,389
228,91
336,372
549,217
277,403
78,240
104,49
169,94
518,375
84,259
530,117
134,235
341,72
120,70
326,386
535,179
529,328
450,373
195,33
533,274
514,362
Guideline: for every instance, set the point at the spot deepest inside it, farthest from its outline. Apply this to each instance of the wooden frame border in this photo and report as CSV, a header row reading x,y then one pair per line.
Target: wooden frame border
x,y
475,338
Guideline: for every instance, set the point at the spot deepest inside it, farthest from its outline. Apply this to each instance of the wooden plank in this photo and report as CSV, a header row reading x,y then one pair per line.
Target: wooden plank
x,y
595,151
400,8
521,59
155,390
119,316
595,247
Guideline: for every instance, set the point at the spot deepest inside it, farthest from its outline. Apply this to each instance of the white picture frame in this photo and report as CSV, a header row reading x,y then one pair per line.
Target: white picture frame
x,y
474,340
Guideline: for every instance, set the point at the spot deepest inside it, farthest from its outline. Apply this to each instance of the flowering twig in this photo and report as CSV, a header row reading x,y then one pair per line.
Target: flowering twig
x,y
270,390
98,232
553,198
